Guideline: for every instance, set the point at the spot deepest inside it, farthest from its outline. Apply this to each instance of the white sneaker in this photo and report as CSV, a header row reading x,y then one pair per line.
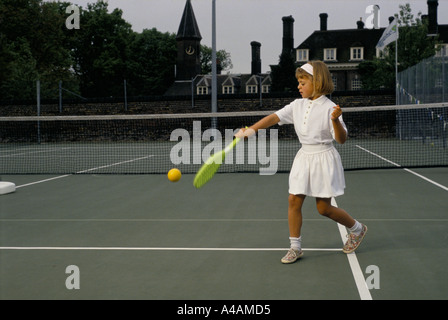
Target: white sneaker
x,y
292,255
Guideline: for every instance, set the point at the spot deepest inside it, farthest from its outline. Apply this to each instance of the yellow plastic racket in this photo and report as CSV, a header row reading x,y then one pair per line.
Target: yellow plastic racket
x,y
211,166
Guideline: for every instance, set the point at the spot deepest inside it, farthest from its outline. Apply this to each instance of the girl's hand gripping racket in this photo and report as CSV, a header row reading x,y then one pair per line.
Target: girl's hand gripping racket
x,y
211,166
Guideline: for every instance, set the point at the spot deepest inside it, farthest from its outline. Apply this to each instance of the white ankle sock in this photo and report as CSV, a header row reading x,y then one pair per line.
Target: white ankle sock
x,y
356,229
296,243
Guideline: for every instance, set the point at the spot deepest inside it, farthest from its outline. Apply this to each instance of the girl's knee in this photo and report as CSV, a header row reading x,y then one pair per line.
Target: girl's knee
x,y
295,200
323,208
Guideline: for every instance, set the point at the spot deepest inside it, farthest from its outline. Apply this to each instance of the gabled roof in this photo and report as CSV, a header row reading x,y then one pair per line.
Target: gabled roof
x,y
253,81
238,81
342,39
188,28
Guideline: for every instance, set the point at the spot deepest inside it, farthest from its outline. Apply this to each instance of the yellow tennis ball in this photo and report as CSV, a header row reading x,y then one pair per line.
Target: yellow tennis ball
x,y
174,175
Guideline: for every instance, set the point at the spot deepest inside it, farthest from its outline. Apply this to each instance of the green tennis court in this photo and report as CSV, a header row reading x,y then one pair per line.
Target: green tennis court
x,y
143,237
95,217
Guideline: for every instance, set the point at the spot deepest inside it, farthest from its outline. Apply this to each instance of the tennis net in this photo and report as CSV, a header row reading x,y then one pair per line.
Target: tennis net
x,y
379,137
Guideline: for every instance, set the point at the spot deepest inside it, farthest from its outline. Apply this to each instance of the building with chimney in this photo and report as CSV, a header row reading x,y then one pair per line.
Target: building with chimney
x,y
189,80
343,50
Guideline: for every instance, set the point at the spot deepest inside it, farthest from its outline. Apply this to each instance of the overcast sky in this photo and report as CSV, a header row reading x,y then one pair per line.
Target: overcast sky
x,y
238,22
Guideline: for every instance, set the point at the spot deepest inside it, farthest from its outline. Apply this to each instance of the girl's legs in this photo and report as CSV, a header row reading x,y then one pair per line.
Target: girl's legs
x,y
334,213
357,230
295,203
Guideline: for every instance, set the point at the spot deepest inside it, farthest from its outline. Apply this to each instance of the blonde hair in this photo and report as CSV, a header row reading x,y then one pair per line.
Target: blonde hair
x,y
321,78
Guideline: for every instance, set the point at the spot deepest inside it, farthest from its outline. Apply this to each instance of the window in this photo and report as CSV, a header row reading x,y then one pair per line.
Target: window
x,y
201,90
227,89
265,88
330,54
302,55
356,84
251,89
356,53
335,81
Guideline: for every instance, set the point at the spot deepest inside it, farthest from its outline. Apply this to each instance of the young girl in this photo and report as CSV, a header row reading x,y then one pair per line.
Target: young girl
x,y
317,168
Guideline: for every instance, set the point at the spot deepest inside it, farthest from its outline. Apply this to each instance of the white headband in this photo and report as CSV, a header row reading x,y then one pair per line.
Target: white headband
x,y
308,68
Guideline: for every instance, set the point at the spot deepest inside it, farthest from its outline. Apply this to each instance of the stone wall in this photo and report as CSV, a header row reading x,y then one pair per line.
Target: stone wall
x,y
184,105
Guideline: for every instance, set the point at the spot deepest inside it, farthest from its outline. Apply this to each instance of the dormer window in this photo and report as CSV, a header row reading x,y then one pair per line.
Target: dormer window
x,y
251,89
330,54
228,89
202,86
302,55
356,53
202,90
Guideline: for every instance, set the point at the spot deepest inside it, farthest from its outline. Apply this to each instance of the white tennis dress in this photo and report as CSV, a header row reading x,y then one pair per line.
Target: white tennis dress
x,y
317,168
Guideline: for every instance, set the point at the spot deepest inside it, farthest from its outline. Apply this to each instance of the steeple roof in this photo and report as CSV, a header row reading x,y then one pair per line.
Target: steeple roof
x,y
188,28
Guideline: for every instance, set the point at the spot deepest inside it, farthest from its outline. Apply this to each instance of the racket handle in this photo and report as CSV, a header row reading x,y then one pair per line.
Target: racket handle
x,y
232,145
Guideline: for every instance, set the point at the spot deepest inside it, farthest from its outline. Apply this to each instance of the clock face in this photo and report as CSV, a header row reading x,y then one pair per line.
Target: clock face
x,y
189,50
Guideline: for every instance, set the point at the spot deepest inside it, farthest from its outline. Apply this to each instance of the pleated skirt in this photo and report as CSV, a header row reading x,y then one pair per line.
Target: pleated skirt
x,y
317,171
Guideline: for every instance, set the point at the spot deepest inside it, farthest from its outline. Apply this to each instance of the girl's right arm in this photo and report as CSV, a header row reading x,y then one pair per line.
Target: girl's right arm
x,y
264,123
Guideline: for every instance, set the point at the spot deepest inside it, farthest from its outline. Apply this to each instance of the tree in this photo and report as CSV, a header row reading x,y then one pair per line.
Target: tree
x,y
413,46
101,51
33,47
152,57
224,61
283,74
93,61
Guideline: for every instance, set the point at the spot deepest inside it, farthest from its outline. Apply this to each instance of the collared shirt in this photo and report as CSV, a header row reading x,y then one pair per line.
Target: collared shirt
x,y
311,119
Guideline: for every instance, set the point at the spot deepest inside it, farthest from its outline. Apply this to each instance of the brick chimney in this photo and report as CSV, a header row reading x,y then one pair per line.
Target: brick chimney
x,y
323,21
288,34
360,24
432,17
256,60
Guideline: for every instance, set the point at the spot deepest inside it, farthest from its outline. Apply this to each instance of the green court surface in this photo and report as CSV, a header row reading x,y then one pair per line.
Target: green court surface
x,y
144,237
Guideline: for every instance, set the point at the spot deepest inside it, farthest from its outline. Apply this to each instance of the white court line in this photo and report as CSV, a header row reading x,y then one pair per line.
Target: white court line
x,y
9,155
358,275
85,171
41,181
114,164
162,249
405,169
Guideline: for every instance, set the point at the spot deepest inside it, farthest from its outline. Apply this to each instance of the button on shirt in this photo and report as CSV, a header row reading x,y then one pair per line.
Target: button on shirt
x,y
311,119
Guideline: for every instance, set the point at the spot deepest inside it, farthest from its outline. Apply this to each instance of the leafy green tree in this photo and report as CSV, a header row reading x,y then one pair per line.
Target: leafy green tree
x,y
93,61
283,74
33,47
413,46
224,60
101,51
152,57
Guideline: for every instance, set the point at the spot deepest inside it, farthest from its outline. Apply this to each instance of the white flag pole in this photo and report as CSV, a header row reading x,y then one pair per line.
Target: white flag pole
x,y
396,70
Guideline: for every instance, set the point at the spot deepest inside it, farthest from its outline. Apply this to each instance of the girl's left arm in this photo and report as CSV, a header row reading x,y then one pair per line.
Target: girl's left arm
x,y
339,131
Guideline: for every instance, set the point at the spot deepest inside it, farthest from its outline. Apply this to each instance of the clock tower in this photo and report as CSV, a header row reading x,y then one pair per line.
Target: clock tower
x,y
188,38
